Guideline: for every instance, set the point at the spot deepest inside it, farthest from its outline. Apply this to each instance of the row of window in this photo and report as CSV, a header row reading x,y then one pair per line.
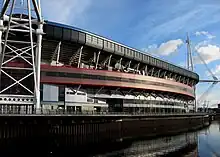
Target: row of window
x,y
111,78
138,101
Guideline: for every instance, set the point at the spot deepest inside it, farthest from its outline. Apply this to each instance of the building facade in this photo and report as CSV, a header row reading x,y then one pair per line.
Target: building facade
x,y
85,72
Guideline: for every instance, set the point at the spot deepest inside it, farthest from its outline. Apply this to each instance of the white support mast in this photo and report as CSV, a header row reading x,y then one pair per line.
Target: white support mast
x,y
21,29
190,65
189,55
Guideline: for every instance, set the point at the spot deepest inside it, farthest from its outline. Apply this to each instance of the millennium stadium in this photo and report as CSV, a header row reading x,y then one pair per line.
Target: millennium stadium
x,y
80,71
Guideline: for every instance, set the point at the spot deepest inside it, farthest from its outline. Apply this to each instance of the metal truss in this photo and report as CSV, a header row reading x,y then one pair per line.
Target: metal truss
x,y
56,54
75,90
97,60
136,66
20,53
128,64
146,70
99,90
78,54
107,60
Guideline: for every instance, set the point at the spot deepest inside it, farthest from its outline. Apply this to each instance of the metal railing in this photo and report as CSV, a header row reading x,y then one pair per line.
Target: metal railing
x,y
90,113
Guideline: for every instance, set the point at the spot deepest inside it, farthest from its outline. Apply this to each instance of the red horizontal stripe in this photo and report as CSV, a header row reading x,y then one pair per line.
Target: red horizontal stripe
x,y
61,80
111,73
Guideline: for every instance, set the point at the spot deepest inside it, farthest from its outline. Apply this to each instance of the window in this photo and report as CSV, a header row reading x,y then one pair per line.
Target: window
x,y
57,32
74,35
66,34
71,93
131,53
100,42
81,94
82,38
121,49
88,38
110,45
90,100
49,30
94,40
117,47
61,93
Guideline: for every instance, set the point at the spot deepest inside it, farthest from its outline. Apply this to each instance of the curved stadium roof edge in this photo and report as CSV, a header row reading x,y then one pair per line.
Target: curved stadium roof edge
x,y
176,69
102,37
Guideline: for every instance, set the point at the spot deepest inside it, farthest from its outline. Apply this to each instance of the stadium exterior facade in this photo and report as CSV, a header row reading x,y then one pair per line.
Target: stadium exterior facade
x,y
81,71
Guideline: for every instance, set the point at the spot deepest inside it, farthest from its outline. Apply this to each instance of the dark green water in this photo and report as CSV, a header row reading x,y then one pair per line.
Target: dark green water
x,y
203,143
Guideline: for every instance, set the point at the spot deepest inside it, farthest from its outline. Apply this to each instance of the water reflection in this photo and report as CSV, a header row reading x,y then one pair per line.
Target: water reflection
x,y
157,147
209,141
204,143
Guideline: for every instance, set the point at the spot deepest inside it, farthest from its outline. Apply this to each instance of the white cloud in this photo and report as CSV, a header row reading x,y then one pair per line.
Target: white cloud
x,y
166,48
209,53
202,43
207,34
169,47
64,11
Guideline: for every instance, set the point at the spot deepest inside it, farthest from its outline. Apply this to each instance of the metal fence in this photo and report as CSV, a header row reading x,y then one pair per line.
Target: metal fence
x,y
89,113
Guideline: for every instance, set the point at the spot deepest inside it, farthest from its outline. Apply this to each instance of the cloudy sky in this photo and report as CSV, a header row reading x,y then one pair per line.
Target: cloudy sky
x,y
155,26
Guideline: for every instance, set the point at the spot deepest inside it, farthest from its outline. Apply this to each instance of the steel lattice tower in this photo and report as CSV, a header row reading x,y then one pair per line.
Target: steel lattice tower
x,y
20,52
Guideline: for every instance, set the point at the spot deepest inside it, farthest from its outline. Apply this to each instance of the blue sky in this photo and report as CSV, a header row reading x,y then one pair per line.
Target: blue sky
x,y
156,26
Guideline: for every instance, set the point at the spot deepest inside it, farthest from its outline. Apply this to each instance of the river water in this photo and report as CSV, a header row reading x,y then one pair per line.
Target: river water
x,y
209,141
203,143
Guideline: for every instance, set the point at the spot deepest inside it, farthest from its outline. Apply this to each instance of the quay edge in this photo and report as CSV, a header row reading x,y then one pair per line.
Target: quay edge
x,y
73,133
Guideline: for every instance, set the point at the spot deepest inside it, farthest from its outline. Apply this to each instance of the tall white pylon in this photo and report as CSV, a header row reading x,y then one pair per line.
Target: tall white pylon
x,y
190,65
21,29
189,54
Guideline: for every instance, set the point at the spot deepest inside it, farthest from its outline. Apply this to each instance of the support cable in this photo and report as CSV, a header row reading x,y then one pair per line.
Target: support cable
x,y
214,81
